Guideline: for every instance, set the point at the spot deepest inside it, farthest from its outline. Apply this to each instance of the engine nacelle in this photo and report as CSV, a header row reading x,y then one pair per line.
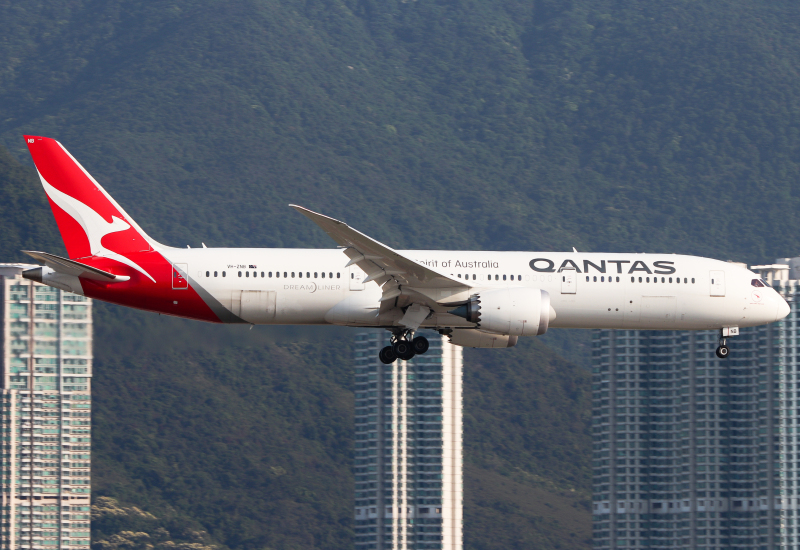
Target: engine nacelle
x,y
511,311
471,338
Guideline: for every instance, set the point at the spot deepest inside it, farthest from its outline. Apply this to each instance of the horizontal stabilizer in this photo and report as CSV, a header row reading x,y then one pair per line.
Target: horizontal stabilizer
x,y
71,267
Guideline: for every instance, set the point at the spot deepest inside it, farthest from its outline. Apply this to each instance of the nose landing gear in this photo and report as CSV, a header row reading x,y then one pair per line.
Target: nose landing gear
x,y
722,350
404,346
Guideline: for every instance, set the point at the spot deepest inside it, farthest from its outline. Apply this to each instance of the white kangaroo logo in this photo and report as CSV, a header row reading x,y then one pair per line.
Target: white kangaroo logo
x,y
93,224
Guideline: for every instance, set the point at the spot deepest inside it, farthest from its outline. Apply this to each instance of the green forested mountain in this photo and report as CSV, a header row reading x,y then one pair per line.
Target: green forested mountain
x,y
501,125
540,124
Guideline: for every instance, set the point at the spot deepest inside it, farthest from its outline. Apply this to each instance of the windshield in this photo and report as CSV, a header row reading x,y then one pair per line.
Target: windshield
x,y
760,282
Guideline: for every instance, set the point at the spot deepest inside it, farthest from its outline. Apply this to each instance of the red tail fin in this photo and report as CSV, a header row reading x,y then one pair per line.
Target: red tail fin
x,y
90,221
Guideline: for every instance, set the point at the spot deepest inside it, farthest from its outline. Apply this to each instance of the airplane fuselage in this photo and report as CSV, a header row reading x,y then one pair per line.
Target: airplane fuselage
x,y
313,286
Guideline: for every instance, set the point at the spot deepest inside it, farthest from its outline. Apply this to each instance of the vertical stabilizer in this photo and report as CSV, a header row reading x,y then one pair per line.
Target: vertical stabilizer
x,y
90,221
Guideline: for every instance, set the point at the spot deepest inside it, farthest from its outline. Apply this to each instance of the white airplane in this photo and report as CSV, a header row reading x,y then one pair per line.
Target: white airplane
x,y
479,299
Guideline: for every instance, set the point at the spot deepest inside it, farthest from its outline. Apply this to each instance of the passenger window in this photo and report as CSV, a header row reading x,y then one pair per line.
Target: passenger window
x,y
692,280
519,277
300,274
315,274
223,273
308,275
270,274
338,275
352,275
215,274
633,279
594,279
670,279
323,274
292,274
504,277
647,279
246,274
662,279
330,275
240,274
497,277
640,279
588,278
617,279
208,274
278,274
602,279
685,281
459,275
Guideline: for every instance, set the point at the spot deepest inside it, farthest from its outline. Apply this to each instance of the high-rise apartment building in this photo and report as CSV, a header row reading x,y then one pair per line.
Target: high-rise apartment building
x,y
45,414
695,452
408,447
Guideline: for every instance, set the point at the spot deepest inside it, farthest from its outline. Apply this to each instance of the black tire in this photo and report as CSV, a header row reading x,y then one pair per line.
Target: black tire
x,y
420,345
723,351
404,350
387,355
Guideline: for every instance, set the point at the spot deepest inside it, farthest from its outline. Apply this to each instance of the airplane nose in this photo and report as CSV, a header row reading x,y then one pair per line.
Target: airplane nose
x,y
783,309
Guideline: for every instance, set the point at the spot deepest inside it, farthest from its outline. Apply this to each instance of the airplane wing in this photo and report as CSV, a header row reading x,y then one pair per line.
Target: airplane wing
x,y
385,266
71,267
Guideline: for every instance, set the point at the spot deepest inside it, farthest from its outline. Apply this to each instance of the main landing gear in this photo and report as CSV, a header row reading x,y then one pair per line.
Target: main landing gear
x,y
404,347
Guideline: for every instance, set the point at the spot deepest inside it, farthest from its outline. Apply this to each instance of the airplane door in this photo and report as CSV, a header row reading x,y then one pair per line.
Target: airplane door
x,y
356,278
254,306
180,276
716,283
569,281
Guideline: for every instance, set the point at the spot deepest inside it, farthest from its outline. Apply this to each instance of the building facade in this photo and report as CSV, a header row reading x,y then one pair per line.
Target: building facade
x,y
408,447
45,414
695,452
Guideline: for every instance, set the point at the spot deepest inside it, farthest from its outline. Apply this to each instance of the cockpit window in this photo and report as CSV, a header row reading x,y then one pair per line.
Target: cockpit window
x,y
759,283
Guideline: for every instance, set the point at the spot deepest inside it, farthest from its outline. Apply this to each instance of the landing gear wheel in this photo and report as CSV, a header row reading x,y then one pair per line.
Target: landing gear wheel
x,y
404,350
387,355
723,351
420,345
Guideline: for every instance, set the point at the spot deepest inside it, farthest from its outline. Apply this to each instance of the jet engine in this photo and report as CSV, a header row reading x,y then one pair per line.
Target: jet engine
x,y
511,311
